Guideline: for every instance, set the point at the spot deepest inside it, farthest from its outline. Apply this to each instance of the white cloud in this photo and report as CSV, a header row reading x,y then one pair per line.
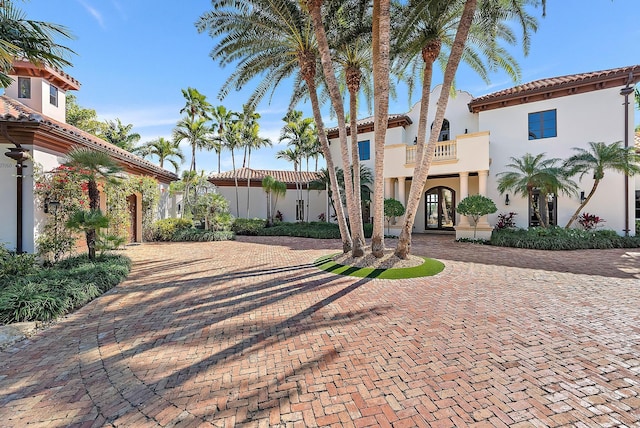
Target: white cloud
x,y
93,12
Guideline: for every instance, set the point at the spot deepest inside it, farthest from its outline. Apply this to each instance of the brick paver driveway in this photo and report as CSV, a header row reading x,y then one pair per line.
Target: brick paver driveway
x,y
250,333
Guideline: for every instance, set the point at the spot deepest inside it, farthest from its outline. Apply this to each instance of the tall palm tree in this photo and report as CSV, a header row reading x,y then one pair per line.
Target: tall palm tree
x,y
119,134
271,41
34,40
531,173
163,149
596,160
196,132
233,139
293,154
428,42
93,166
221,119
252,141
196,103
314,8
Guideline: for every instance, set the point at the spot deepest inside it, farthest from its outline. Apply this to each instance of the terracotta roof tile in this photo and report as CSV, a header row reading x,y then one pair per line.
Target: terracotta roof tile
x,y
288,177
559,82
12,110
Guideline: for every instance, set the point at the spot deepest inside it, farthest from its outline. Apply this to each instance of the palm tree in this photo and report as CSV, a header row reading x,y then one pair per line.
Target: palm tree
x,y
164,150
221,119
118,134
271,41
197,134
33,40
93,166
596,160
429,44
196,104
536,173
232,139
293,155
252,141
274,189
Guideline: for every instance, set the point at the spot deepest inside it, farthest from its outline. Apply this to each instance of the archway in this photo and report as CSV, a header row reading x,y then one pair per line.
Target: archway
x,y
440,208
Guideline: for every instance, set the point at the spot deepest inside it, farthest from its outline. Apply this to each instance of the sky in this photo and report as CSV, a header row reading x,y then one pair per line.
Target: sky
x,y
133,57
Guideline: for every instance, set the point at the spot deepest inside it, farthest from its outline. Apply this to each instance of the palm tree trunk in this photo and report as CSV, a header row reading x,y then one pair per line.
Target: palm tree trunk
x,y
331,82
583,204
357,229
381,34
422,170
235,179
248,179
333,181
219,156
193,156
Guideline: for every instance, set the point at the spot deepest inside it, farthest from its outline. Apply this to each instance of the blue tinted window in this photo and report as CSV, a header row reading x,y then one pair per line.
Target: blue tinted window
x,y
363,150
542,124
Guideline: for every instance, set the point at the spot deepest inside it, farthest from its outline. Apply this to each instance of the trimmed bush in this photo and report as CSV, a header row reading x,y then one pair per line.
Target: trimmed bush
x,y
248,226
47,293
558,238
199,235
163,230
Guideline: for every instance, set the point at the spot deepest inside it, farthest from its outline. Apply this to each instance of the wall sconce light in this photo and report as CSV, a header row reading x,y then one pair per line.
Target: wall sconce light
x,y
582,197
415,141
50,204
506,200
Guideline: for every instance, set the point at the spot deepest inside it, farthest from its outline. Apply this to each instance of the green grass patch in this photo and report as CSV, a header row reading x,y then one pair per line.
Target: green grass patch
x,y
430,267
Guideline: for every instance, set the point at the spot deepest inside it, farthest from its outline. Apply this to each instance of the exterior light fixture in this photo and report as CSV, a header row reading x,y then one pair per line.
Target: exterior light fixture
x,y
582,197
506,200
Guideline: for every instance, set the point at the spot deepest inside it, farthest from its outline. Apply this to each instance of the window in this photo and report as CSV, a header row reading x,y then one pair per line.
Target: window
x,y
363,150
542,124
300,210
24,87
444,131
53,95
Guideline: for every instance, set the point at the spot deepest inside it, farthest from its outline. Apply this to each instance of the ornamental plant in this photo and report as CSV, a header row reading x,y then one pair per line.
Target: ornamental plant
x,y
475,206
589,221
66,188
506,221
392,208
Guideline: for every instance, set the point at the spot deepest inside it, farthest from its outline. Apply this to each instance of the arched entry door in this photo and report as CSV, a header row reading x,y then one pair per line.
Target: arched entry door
x,y
440,203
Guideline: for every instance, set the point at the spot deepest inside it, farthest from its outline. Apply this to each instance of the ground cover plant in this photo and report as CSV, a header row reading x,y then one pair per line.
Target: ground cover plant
x,y
430,267
29,292
559,238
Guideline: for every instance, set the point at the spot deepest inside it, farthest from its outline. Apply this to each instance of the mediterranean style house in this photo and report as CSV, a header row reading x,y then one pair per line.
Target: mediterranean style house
x,y
480,136
33,131
300,202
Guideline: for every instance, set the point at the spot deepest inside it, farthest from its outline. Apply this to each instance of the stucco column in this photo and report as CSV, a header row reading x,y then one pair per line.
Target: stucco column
x,y
388,191
464,192
401,191
482,190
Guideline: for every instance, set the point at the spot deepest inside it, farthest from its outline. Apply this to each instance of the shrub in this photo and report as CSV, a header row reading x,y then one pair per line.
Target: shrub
x,y
506,221
12,264
198,235
558,238
476,206
47,293
163,230
246,226
589,221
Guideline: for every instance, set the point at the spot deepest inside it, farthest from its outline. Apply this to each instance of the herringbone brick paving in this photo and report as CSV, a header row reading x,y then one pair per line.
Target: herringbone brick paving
x,y
249,333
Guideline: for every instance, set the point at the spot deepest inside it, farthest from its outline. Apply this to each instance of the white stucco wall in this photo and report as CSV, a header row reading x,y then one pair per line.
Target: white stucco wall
x,y
286,205
593,116
40,100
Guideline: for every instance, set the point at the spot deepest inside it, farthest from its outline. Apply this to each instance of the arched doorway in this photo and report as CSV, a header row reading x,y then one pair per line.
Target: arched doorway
x,y
440,208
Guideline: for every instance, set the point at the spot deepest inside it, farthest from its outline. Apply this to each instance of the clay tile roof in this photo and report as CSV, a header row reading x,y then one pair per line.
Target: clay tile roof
x,y
288,177
558,86
366,124
22,67
14,111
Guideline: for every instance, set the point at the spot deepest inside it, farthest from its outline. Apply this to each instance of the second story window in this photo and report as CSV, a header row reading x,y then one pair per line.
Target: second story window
x,y
542,124
53,95
24,87
363,150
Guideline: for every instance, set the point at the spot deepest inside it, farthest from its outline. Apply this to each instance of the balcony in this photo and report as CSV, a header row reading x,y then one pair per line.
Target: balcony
x,y
445,150
468,152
